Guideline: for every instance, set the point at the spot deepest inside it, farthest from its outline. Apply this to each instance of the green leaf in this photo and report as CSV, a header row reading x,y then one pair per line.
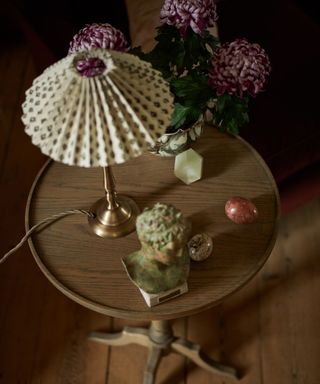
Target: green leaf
x,y
169,51
180,55
193,90
184,115
231,112
184,62
166,33
193,49
179,115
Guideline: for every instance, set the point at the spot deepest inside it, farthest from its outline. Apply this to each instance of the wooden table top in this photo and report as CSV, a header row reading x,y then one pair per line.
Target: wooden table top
x,y
88,269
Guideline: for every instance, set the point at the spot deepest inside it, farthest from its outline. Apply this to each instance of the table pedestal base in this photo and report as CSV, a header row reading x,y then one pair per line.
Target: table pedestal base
x,y
160,340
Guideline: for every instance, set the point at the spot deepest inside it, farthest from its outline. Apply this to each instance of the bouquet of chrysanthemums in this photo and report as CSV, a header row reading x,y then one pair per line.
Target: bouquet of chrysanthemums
x,y
204,75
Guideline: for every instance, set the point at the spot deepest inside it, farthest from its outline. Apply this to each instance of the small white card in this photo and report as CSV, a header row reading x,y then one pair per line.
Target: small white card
x,y
153,299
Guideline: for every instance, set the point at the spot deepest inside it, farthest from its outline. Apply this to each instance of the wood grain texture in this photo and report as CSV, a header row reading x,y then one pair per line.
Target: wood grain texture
x,y
204,330
303,266
88,269
289,286
132,357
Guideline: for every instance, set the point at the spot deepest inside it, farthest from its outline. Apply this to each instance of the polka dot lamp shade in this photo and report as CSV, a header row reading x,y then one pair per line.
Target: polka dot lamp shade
x,y
100,120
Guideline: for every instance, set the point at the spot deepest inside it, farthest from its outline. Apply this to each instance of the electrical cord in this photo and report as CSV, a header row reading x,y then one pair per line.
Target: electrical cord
x,y
42,223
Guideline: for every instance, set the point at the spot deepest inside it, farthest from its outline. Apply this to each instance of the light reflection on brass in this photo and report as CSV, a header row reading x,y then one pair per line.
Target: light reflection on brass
x,y
115,215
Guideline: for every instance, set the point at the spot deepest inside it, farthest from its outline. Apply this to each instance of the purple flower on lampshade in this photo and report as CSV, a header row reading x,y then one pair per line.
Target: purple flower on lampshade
x,y
239,67
90,66
198,14
98,36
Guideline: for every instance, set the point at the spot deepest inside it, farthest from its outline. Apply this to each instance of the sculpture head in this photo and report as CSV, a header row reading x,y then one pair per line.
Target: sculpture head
x,y
163,232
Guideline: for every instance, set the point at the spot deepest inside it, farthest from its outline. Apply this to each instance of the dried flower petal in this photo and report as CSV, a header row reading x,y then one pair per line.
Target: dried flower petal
x,y
90,66
240,67
198,14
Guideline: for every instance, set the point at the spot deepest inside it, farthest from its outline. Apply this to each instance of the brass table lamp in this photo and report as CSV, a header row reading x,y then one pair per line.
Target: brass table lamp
x,y
115,215
108,115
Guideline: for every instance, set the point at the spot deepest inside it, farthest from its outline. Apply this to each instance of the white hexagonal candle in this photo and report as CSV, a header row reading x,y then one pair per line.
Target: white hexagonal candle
x,y
188,166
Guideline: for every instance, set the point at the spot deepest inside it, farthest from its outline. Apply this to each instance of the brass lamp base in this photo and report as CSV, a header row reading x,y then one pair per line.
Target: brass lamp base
x,y
117,221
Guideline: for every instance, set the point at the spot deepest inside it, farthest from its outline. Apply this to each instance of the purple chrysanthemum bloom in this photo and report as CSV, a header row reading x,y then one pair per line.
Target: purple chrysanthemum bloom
x,y
239,67
90,66
198,14
98,36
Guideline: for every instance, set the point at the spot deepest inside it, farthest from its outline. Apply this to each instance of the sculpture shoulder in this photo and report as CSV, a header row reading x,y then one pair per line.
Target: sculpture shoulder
x,y
155,277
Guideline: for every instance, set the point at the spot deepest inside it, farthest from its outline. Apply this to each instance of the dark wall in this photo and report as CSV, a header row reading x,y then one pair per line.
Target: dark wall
x,y
285,123
56,22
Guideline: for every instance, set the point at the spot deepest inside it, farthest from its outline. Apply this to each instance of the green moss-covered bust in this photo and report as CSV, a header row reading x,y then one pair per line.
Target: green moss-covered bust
x,y
163,261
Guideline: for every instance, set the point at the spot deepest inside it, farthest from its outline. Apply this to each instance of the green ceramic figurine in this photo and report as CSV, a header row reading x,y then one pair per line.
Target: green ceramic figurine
x,y
162,263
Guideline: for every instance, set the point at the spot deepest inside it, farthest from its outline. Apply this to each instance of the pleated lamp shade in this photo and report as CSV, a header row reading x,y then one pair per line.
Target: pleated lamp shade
x,y
100,120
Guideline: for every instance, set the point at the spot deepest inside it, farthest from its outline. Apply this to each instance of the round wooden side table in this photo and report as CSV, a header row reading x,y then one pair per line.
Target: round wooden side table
x,y
88,269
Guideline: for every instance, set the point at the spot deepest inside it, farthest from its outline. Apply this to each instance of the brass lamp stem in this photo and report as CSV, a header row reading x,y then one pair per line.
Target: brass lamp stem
x,y
114,215
109,187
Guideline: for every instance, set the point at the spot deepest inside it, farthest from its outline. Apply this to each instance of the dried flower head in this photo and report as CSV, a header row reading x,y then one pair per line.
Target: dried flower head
x,y
198,14
90,66
98,36
239,67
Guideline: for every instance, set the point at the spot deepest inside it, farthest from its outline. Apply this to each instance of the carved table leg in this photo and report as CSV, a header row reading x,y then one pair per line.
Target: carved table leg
x,y
160,341
160,336
129,335
155,354
193,352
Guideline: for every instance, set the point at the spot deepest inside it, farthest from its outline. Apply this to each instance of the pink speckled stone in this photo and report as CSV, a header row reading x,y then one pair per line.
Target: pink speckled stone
x,y
241,210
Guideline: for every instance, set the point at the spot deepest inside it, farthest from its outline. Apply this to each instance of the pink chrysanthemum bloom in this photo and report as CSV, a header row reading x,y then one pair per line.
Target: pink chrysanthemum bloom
x,y
198,14
239,67
98,36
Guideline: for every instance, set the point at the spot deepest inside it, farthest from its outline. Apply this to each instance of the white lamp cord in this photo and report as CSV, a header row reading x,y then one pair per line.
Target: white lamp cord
x,y
42,223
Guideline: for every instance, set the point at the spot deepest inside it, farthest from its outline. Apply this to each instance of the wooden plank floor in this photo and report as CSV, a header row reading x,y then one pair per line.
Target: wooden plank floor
x,y
270,329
